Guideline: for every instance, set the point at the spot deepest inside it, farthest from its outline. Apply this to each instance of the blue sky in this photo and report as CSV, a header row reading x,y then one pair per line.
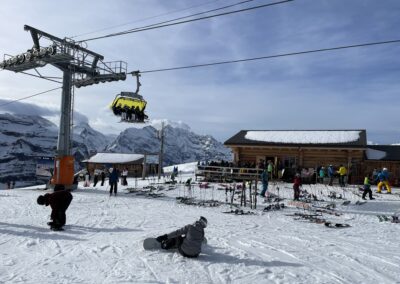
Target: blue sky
x,y
346,89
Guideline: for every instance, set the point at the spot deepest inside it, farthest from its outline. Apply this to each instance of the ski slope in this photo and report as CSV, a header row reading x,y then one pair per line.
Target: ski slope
x,y
102,241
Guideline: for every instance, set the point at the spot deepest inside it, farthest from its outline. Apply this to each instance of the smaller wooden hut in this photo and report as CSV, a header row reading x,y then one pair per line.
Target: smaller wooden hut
x,y
133,162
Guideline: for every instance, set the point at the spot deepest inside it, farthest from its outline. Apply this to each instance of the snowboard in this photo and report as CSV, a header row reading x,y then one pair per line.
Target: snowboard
x,y
151,244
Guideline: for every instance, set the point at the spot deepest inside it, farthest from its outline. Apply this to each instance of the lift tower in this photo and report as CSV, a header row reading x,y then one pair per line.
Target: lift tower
x,y
81,67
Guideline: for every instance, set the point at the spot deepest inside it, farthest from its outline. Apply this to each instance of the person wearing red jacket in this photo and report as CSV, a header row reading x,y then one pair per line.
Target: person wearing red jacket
x,y
59,201
296,186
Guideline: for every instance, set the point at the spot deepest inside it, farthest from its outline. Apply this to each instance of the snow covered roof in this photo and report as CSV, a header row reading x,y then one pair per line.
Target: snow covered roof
x,y
383,152
115,158
337,138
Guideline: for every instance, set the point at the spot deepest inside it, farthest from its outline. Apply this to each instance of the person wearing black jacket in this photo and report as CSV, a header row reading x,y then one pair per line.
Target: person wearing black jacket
x,y
59,202
103,177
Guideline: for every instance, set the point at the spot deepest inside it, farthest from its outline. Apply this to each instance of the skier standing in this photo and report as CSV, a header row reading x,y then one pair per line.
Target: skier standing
x,y
187,240
270,169
296,186
124,176
367,189
59,201
114,178
331,174
103,177
342,173
264,180
87,179
383,178
321,174
96,178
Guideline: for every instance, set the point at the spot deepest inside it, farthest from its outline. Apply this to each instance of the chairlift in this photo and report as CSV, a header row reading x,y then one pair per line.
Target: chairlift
x,y
130,106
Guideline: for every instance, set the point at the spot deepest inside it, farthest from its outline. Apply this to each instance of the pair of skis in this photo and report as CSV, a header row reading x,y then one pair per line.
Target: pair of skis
x,y
239,212
384,218
276,206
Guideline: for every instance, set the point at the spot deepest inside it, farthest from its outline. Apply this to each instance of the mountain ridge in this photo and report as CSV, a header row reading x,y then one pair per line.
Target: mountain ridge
x,y
25,138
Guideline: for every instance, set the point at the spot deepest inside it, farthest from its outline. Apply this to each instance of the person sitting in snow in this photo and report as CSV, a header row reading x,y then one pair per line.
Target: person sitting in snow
x,y
296,186
367,189
187,240
59,202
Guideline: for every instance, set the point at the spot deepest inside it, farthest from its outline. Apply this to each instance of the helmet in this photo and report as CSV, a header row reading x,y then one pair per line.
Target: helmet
x,y
203,221
40,200
384,169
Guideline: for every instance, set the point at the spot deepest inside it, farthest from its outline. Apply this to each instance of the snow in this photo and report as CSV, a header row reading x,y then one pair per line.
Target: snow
x,y
114,158
102,241
182,168
304,137
373,154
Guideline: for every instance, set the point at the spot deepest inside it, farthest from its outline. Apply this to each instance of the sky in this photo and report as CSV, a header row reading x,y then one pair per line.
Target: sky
x,y
345,89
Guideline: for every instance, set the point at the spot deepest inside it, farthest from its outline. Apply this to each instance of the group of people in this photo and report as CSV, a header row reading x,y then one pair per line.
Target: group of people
x,y
330,172
113,174
380,177
129,113
10,184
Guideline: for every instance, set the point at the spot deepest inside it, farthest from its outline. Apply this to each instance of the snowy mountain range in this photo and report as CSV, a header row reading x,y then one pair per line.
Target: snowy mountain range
x,y
24,138
181,145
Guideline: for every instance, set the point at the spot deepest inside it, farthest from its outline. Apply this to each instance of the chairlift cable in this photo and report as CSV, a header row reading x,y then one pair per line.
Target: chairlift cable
x,y
188,21
271,56
145,19
189,16
41,77
37,94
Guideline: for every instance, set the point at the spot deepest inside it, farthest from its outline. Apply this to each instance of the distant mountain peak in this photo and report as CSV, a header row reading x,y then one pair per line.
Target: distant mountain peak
x,y
157,124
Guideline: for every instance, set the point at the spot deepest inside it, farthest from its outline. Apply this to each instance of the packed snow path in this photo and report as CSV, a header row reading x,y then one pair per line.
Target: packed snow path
x,y
102,243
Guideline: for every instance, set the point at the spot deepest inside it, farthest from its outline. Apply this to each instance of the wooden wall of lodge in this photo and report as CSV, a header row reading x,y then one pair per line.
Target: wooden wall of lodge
x,y
311,157
305,157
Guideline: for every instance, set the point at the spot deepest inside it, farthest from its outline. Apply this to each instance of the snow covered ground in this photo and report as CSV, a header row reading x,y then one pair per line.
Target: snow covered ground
x,y
102,241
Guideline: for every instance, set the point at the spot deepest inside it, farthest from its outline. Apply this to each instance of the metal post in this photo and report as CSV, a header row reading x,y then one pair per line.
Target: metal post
x,y
144,167
64,135
160,156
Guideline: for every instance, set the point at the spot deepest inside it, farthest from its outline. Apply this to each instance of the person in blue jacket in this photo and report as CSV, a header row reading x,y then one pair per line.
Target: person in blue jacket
x,y
383,178
331,174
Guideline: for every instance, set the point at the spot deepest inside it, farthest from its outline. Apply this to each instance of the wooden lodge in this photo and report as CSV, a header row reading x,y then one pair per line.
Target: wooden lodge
x,y
312,149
